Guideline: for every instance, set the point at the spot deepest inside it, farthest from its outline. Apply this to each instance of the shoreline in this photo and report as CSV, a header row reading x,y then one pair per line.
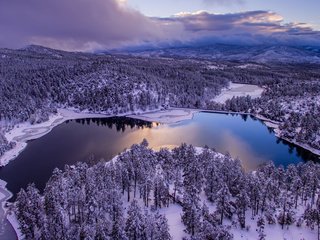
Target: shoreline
x,y
166,116
274,125
8,218
21,133
24,132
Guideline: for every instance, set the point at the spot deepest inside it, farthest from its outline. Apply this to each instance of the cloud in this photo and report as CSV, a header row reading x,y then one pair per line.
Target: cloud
x,y
85,25
223,2
73,24
252,27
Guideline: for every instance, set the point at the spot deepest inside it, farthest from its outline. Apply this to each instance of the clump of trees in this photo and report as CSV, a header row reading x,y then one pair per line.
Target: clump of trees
x,y
4,144
122,199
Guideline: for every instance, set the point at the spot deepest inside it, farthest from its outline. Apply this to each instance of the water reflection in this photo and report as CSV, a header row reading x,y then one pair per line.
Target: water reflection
x,y
91,140
120,123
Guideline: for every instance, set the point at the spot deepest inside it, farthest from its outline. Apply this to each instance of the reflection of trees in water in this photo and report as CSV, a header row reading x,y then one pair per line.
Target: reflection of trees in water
x,y
120,123
305,154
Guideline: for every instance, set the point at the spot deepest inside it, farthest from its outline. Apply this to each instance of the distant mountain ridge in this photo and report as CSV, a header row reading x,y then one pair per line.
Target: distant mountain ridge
x,y
259,53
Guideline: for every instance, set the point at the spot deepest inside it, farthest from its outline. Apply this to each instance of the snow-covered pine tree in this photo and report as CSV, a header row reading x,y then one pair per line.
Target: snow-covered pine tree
x,y
135,223
260,228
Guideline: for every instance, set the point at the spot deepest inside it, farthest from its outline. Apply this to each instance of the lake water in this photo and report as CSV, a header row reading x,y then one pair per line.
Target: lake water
x,y
92,139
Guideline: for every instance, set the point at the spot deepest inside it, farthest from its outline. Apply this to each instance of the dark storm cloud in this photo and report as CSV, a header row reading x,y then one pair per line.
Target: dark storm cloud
x,y
71,24
102,24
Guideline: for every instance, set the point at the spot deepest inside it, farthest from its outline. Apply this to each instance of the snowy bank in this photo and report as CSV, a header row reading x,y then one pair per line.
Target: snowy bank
x,y
167,116
23,132
9,226
275,127
238,90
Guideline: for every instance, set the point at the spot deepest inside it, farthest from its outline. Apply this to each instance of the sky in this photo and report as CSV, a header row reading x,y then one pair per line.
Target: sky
x,y
90,25
306,11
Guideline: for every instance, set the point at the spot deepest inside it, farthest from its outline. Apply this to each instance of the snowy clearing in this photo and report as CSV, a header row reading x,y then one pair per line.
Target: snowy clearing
x,y
167,116
238,90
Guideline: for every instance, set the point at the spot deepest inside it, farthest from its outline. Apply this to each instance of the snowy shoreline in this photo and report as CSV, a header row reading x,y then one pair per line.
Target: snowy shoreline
x,y
277,132
167,116
24,132
8,217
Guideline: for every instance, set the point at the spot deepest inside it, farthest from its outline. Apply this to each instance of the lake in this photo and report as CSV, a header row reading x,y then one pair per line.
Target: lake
x,y
91,140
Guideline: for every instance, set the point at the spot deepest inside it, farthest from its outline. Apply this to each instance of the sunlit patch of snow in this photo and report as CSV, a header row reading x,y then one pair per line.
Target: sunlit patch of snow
x,y
216,67
249,65
238,90
166,116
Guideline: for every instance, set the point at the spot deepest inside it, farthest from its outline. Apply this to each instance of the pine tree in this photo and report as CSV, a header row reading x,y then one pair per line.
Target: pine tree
x,y
222,199
160,189
312,216
191,215
260,229
242,203
286,215
135,225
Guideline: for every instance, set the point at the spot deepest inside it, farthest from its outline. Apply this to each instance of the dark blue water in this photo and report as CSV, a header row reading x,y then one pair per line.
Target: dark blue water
x,y
91,140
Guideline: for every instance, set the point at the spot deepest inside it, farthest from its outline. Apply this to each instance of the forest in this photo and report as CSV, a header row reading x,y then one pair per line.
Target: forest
x,y
123,198
35,81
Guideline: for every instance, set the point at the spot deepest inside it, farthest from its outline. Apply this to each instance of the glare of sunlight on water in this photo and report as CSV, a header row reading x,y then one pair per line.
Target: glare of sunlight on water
x,y
239,148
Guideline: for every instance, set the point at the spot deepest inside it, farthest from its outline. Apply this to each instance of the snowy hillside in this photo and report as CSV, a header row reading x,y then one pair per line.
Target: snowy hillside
x,y
259,54
186,193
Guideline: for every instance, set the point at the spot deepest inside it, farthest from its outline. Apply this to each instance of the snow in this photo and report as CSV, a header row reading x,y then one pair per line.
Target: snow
x,y
2,196
168,116
238,90
273,231
249,65
216,67
176,227
12,218
4,213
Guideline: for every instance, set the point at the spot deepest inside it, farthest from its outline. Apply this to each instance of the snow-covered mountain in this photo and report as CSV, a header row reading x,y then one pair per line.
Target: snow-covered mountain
x,y
260,54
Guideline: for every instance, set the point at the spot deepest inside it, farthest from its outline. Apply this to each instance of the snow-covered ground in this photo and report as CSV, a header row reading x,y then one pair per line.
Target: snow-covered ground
x,y
274,232
238,90
167,116
176,227
12,218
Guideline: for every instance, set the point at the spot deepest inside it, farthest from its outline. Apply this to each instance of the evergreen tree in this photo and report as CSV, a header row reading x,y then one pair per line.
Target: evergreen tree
x,y
222,200
135,224
260,229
